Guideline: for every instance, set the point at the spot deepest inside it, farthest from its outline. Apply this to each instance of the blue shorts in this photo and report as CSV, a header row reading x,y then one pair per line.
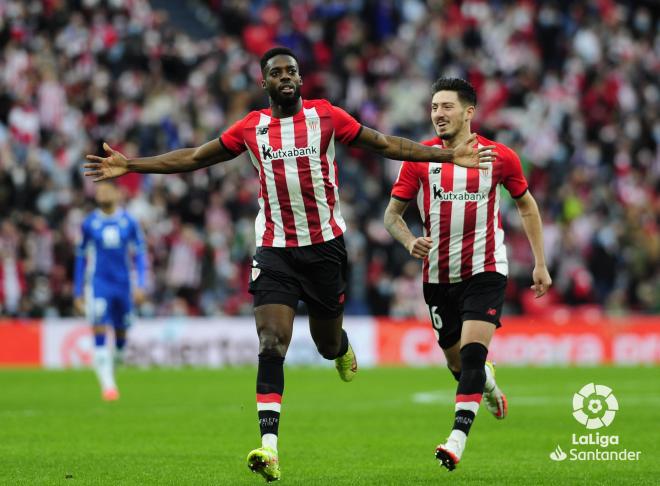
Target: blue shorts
x,y
110,306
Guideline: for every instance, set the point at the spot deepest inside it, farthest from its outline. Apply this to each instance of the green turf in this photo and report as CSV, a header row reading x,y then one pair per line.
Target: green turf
x,y
196,427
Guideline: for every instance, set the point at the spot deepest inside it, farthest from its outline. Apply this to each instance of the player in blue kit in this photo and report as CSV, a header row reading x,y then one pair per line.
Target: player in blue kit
x,y
103,279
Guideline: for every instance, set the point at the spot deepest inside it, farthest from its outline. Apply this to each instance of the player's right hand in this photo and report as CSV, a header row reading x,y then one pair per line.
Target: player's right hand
x,y
79,306
420,247
101,168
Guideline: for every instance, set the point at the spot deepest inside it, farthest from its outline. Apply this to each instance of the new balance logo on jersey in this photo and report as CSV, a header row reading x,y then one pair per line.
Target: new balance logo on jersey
x,y
439,193
268,152
262,130
434,170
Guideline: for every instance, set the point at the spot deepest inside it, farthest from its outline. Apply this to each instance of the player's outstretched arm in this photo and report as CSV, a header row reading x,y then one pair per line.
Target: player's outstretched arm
x,y
397,227
115,164
398,148
531,220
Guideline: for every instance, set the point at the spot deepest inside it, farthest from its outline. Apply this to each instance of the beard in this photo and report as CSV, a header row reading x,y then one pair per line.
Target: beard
x,y
449,135
285,101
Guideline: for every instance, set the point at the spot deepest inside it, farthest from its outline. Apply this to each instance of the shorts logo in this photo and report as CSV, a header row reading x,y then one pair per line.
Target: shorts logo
x,y
255,273
491,312
342,297
595,406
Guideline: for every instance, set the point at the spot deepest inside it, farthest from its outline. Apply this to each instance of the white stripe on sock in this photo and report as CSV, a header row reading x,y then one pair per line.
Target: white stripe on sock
x,y
471,406
270,406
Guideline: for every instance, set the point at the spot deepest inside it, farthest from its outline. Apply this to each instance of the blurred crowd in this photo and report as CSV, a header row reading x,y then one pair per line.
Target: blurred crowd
x,y
571,86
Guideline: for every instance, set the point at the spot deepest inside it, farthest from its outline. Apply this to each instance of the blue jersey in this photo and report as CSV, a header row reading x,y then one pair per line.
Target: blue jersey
x,y
108,243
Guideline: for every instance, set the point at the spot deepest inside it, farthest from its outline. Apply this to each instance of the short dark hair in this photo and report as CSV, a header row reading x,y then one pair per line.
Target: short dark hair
x,y
276,51
464,90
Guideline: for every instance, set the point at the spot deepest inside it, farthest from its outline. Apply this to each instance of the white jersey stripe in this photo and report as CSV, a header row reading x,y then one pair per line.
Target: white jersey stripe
x,y
456,227
269,176
293,183
479,245
434,216
331,175
314,140
501,264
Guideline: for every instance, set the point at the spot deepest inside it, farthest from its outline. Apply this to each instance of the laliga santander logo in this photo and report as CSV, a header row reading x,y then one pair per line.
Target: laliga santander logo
x,y
595,406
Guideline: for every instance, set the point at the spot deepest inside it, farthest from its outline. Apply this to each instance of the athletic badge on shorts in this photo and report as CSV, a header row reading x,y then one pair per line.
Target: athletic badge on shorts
x,y
255,273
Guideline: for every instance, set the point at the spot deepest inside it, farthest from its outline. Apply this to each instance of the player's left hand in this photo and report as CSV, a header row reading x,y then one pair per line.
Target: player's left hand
x,y
101,168
542,280
466,155
139,297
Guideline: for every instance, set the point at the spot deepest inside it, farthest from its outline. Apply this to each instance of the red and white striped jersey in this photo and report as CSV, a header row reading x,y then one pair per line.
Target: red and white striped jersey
x,y
460,209
295,160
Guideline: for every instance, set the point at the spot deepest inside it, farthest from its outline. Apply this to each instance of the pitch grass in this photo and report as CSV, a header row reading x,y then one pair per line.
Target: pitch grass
x,y
177,427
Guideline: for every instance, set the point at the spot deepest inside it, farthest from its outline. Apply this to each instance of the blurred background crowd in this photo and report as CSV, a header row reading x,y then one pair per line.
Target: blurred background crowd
x,y
572,86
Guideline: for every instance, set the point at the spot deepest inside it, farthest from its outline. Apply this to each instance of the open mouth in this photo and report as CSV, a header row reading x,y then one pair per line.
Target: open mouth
x,y
288,89
442,125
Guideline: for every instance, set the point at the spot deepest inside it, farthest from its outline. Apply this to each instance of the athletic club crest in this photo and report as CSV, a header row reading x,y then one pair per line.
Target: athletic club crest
x,y
313,125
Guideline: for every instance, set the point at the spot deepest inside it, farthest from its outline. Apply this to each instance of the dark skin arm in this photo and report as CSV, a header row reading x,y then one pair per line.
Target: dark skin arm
x,y
115,164
398,148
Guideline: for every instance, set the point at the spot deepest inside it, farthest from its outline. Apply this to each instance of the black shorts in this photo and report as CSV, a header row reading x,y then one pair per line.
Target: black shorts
x,y
315,274
478,298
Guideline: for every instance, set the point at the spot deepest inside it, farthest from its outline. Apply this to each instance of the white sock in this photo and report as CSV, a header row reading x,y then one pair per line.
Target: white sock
x,y
269,440
490,380
103,366
460,437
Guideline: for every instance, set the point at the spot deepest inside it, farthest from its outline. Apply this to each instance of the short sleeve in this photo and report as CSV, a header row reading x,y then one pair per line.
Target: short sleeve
x,y
512,175
233,138
407,182
346,127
